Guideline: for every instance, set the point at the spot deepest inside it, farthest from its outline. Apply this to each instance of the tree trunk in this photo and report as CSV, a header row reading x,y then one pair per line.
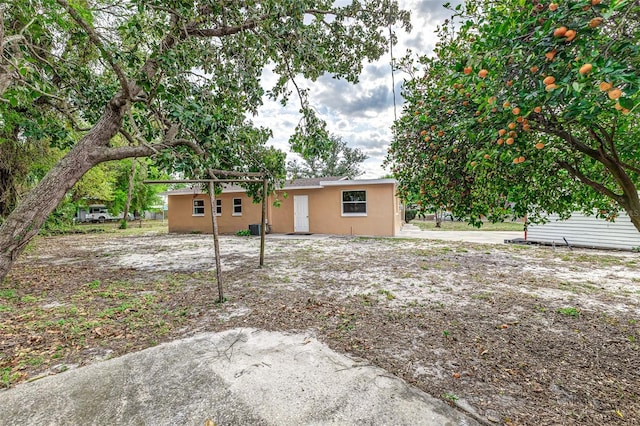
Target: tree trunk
x,y
438,217
27,218
632,207
132,176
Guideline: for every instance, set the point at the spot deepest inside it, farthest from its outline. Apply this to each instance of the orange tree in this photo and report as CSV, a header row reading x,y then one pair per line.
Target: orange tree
x,y
525,108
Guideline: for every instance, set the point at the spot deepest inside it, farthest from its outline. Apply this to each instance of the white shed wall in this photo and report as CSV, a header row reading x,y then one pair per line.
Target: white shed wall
x,y
586,231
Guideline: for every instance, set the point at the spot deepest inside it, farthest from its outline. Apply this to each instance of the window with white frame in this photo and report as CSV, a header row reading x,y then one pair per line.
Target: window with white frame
x,y
198,207
218,207
237,206
354,203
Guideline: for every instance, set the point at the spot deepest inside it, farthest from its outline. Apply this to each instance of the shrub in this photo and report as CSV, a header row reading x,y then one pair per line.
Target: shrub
x,y
409,215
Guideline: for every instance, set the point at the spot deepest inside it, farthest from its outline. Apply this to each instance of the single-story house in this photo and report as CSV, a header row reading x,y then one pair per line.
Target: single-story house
x,y
331,205
586,231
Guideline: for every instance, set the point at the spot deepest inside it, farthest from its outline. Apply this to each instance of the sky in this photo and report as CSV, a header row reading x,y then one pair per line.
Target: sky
x,y
362,114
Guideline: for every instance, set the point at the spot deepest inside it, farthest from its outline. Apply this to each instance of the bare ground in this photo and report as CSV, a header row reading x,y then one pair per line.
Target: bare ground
x,y
516,335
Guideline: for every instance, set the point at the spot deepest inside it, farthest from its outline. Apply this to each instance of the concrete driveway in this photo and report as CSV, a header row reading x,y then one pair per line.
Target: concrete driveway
x,y
237,377
486,237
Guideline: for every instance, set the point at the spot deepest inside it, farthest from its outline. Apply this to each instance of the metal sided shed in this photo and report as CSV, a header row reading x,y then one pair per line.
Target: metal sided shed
x,y
586,231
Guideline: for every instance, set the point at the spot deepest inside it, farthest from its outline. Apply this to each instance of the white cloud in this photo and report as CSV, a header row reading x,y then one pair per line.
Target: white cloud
x,y
361,114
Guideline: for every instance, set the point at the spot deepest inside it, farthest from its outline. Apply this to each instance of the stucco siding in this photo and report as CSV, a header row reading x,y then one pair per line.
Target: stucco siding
x,y
182,220
324,205
587,231
325,211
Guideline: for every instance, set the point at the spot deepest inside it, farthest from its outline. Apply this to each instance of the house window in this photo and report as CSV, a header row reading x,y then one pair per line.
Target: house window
x,y
237,206
354,203
198,207
218,207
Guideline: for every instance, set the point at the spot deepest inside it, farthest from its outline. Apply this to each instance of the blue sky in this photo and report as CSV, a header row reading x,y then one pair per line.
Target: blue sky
x,y
361,114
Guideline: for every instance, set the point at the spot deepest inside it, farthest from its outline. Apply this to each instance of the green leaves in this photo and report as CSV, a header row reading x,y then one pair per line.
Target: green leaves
x,y
176,80
563,143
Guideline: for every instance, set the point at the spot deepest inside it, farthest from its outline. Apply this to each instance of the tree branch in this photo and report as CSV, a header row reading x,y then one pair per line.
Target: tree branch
x,y
191,29
573,171
93,36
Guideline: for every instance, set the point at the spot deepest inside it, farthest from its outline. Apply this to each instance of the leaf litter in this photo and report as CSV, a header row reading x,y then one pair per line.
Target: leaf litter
x,y
515,335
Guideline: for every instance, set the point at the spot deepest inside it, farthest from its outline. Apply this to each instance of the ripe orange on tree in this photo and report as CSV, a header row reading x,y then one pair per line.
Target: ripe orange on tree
x,y
585,69
483,73
560,31
549,80
614,93
570,35
595,22
605,86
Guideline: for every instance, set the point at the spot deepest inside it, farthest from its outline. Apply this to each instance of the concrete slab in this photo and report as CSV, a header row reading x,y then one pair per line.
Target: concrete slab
x,y
238,377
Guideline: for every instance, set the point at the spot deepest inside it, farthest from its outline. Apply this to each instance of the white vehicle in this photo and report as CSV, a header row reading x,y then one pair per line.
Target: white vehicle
x,y
99,213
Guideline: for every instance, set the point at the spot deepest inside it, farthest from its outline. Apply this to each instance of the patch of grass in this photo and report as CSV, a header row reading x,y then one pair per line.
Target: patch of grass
x,y
28,298
7,377
596,259
463,226
367,300
93,285
570,312
482,296
387,293
8,294
347,322
450,397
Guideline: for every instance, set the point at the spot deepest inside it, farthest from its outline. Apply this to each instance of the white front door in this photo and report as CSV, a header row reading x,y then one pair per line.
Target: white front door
x,y
300,213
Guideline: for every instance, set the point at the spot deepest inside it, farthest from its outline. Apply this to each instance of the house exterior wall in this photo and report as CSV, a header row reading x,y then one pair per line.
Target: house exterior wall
x,y
325,212
586,231
182,220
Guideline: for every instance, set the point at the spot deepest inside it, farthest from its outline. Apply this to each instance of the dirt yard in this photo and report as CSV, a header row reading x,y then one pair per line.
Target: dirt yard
x,y
515,335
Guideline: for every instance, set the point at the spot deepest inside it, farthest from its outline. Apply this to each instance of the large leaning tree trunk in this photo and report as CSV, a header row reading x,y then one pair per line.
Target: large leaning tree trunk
x,y
168,79
27,218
